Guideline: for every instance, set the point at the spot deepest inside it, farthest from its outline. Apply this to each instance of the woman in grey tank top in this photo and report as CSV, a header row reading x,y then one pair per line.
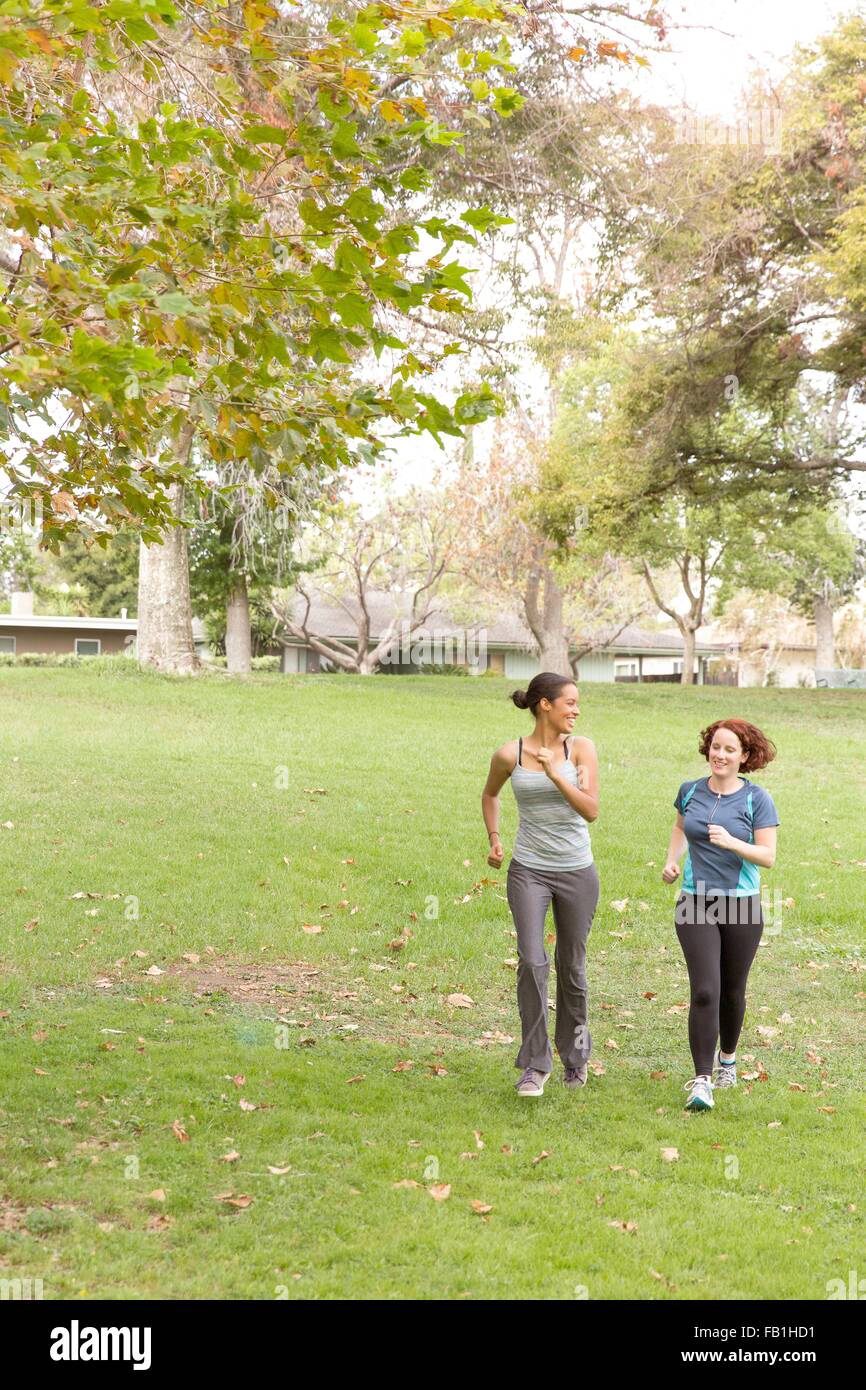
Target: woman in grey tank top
x,y
554,777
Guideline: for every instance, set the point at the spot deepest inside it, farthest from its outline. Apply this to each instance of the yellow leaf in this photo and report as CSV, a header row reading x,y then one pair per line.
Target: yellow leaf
x,y
390,111
577,54
40,39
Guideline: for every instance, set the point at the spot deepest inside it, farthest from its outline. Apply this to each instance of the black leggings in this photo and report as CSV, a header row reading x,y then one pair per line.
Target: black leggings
x,y
719,936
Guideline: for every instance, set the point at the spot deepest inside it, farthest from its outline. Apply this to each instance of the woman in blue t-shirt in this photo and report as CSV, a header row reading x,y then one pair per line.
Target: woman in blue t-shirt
x,y
728,827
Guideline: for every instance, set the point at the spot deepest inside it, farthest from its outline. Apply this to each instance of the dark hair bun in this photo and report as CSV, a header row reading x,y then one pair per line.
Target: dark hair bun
x,y
547,685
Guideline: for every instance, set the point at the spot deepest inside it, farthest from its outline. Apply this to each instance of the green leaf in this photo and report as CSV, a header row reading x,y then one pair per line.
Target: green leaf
x,y
175,302
482,219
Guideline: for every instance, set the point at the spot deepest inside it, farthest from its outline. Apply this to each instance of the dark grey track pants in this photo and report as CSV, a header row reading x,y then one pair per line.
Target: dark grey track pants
x,y
574,895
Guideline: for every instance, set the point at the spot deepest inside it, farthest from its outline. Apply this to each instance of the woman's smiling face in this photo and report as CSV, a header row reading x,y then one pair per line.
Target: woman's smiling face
x,y
726,753
563,711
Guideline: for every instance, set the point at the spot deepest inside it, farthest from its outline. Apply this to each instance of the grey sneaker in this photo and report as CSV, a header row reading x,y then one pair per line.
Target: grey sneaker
x,y
574,1077
724,1073
532,1082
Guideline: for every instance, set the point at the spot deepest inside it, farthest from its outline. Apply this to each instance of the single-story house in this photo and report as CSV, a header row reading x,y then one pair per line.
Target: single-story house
x,y
23,632
504,644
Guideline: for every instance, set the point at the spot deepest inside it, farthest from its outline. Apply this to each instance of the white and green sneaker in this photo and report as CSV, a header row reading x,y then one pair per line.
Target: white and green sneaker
x,y
700,1093
724,1073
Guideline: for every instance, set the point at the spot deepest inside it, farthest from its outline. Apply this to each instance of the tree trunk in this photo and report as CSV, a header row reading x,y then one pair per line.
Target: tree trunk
x,y
825,643
544,619
164,608
239,643
688,676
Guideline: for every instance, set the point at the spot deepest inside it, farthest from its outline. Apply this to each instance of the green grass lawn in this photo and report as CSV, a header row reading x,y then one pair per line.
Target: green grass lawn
x,y
215,819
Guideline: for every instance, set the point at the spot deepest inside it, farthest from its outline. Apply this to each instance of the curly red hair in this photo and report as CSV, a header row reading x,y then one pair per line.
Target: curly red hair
x,y
759,749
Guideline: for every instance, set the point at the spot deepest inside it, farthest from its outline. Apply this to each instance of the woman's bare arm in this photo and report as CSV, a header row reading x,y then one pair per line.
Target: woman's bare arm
x,y
676,849
501,766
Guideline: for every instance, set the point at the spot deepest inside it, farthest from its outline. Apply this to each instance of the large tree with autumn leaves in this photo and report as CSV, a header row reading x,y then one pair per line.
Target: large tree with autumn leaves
x,y
197,244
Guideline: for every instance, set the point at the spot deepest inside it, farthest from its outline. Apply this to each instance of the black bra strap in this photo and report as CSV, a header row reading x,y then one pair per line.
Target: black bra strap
x,y
566,750
519,752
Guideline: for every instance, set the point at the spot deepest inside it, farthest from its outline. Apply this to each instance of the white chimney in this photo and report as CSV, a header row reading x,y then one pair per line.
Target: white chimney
x,y
22,604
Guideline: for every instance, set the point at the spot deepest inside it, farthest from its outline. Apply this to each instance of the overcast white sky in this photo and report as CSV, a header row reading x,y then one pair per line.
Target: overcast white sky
x,y
708,67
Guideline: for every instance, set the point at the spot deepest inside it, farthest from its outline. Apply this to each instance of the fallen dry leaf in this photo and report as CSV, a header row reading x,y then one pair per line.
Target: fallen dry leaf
x,y
440,1191
179,1132
460,1001
482,1208
670,1155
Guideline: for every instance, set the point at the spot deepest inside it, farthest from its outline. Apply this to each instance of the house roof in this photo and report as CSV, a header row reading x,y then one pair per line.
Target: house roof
x,y
17,621
9,620
330,619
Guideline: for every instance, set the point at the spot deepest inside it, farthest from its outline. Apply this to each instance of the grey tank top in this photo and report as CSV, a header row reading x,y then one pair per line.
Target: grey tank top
x,y
551,834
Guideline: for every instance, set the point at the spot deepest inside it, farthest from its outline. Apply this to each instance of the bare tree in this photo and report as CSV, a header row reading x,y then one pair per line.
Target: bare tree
x,y
383,572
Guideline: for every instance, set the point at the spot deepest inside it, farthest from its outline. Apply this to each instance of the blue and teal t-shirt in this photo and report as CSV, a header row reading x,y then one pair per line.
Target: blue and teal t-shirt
x,y
708,868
